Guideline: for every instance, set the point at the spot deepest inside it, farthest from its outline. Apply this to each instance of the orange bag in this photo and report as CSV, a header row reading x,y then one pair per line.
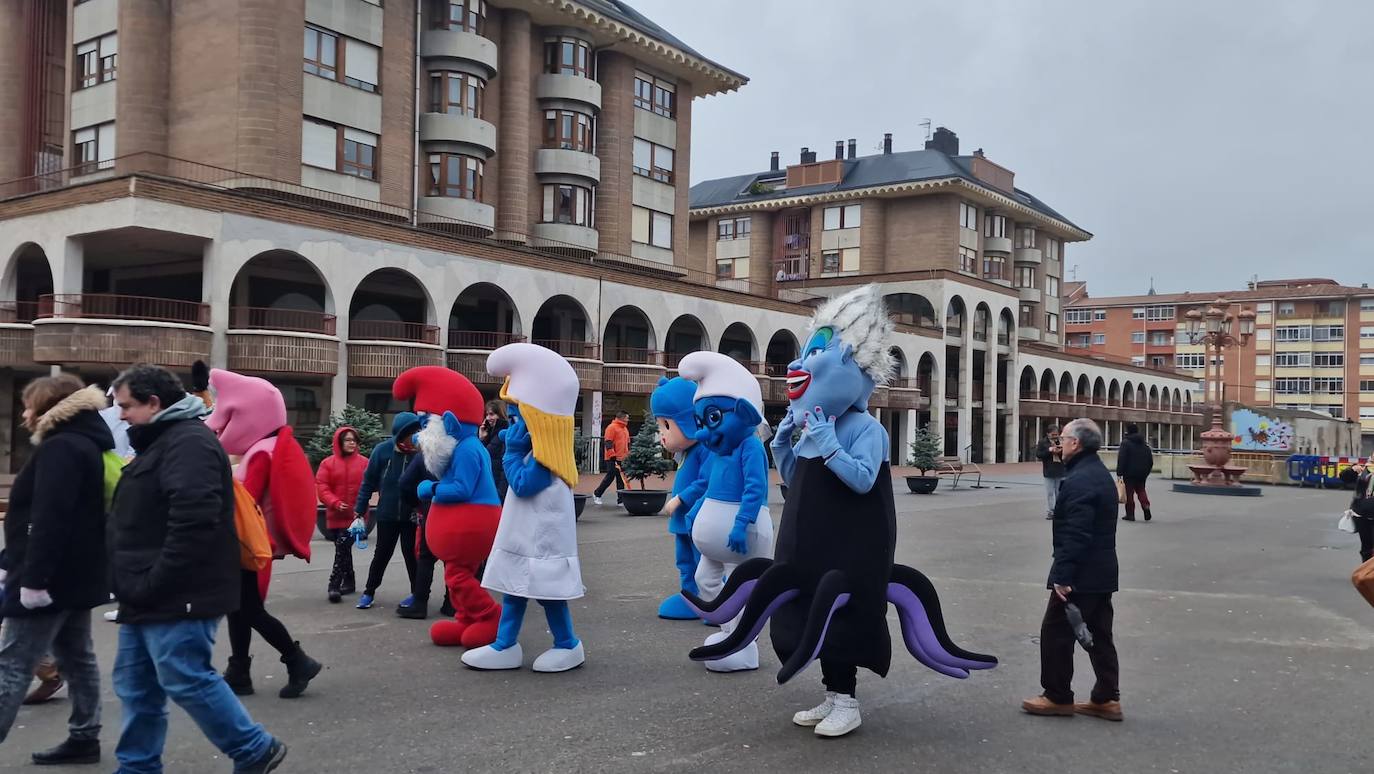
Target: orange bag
x,y
1363,578
255,550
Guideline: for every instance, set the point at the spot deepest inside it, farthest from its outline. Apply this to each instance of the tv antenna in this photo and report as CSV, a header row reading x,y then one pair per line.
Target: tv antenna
x,y
926,124
1073,271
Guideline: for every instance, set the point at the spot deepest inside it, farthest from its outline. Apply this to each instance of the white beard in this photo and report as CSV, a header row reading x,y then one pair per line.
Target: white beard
x,y
436,446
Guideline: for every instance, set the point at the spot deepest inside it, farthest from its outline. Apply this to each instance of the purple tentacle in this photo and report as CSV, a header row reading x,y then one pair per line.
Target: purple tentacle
x,y
741,636
794,665
727,606
746,574
920,636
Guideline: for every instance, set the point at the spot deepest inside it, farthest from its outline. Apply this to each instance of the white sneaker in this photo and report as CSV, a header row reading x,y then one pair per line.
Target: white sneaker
x,y
112,615
843,717
560,659
596,500
487,657
817,713
741,661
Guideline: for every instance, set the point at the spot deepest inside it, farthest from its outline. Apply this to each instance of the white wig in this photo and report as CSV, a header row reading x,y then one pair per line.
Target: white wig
x,y
859,319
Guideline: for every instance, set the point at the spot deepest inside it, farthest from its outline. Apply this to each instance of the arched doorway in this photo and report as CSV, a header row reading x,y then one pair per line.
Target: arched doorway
x,y
28,278
738,343
782,350
391,305
910,309
562,325
629,337
685,336
483,318
280,290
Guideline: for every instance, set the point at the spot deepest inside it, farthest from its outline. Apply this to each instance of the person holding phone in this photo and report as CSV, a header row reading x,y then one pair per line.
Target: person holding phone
x,y
1051,456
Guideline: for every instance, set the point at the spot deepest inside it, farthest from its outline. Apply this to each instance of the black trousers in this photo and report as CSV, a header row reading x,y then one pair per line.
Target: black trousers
x,y
1057,643
341,575
839,677
253,616
1365,528
388,534
612,470
424,568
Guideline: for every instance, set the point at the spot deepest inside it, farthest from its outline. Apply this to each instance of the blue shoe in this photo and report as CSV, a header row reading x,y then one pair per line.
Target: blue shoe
x,y
408,601
365,601
675,608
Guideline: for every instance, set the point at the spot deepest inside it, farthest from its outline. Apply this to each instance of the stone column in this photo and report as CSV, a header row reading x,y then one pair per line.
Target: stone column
x,y
144,70
338,384
217,291
14,45
68,263
990,363
513,129
966,388
908,434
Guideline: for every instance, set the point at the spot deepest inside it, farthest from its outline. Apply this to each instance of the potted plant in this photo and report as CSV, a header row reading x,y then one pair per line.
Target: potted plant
x,y
580,455
647,458
925,453
370,433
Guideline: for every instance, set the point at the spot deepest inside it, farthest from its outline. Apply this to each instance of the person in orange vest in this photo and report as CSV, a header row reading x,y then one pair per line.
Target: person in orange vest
x,y
617,448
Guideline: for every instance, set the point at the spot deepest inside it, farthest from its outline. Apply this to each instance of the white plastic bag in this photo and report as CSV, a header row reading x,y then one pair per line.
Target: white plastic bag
x,y
1347,522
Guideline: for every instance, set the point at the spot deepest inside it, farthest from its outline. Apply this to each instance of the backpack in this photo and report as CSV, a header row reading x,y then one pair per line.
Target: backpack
x,y
255,550
114,468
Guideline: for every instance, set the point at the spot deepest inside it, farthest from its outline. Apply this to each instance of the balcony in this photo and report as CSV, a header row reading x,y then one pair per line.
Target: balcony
x,y
585,357
458,133
1028,334
1029,295
282,341
468,350
903,393
1000,245
583,167
117,330
16,333
565,238
1028,255
383,349
631,370
468,217
559,86
460,45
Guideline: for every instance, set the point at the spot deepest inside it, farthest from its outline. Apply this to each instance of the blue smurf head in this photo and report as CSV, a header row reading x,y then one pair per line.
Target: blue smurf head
x,y
724,422
846,356
728,403
671,404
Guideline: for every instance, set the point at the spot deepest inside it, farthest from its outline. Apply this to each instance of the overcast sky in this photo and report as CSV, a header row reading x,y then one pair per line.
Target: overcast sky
x,y
1200,142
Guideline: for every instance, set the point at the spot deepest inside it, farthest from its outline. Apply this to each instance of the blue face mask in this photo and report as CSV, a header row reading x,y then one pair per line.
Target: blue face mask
x,y
723,422
827,376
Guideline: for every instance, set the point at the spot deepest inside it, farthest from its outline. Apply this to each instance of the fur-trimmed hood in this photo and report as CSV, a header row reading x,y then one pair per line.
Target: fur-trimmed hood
x,y
87,399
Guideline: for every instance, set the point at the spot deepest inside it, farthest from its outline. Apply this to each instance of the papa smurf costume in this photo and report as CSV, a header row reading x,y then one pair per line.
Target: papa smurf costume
x,y
730,523
464,509
671,403
535,553
828,591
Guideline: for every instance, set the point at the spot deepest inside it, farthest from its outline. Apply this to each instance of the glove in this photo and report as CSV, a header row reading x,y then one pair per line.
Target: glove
x,y
33,599
426,490
672,506
739,537
518,438
821,430
783,435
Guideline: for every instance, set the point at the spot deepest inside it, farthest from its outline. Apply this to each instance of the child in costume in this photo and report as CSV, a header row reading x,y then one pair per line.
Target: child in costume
x,y
731,522
671,403
464,510
535,553
338,480
828,591
250,419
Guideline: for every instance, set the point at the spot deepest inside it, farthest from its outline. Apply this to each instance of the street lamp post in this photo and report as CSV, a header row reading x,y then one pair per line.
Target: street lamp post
x,y
1213,330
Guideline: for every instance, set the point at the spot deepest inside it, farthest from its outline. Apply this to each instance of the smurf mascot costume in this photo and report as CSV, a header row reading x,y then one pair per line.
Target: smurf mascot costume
x,y
464,508
677,429
535,554
731,522
828,591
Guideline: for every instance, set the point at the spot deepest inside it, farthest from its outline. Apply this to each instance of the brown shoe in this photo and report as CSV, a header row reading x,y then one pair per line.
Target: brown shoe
x,y
45,690
1040,705
1107,711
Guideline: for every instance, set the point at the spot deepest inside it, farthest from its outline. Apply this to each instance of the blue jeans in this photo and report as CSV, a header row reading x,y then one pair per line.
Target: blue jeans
x,y
161,660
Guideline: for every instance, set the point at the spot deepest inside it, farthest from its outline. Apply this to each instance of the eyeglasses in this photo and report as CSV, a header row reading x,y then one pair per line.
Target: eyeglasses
x,y
712,416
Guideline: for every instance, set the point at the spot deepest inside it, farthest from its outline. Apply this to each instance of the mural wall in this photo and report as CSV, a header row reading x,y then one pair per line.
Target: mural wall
x,y
1251,431
1291,431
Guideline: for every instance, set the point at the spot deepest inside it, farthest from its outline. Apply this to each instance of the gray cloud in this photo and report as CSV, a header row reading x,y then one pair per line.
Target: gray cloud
x,y
1201,142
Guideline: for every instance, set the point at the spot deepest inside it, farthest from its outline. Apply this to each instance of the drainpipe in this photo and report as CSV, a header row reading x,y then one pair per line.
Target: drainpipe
x,y
415,123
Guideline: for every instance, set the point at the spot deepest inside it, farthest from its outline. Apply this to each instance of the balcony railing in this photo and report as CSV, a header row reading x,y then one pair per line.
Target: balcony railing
x,y
393,330
588,350
481,339
904,383
18,311
775,369
632,355
297,320
106,306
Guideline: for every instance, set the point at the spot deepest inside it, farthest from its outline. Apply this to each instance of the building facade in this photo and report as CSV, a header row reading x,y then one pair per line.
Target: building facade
x,y
327,192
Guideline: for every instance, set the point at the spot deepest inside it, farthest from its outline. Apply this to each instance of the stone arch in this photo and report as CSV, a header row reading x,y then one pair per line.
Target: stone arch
x,y
1178,399
684,336
1084,392
1154,397
738,341
956,314
629,336
563,325
1128,394
982,321
1028,383
27,277
1066,387
1048,386
281,290
1006,327
910,309
782,350
1114,393
899,370
484,316
391,304
927,371
1099,390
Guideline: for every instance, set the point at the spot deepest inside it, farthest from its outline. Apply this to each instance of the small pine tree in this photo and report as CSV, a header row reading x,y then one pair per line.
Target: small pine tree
x,y
579,449
647,457
925,450
368,425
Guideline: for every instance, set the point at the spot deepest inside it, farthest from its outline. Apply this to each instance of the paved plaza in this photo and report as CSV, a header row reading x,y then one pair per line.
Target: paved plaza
x,y
1244,648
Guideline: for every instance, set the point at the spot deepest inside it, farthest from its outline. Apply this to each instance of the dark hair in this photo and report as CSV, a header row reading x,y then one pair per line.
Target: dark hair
x,y
497,407
623,413
1052,429
1132,428
42,394
144,382
347,433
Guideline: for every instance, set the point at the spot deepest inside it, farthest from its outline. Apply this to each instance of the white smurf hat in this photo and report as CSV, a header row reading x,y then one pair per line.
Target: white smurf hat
x,y
536,376
719,375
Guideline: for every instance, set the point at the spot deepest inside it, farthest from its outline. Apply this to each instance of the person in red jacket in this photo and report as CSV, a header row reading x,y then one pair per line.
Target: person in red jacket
x,y
337,481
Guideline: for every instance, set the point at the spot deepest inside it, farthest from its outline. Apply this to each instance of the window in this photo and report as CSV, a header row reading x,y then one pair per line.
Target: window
x,y
94,148
1328,333
1262,385
1293,333
571,204
840,261
1160,339
1301,386
968,260
1328,385
457,94
735,268
1190,360
359,154
1052,249
1331,308
1262,334
1076,316
655,95
846,216
96,60
1027,319
1287,309
732,228
1080,340
1025,237
1158,313
1367,331
1367,385
652,228
1138,313
1293,359
1099,339
1052,287
1367,304
1336,412
470,15
995,226
968,216
1262,361
1367,360
1366,412
1137,337
1051,322
1158,361
1099,314
653,161
321,53
1137,360
1264,308
570,130
455,176
360,65
324,49
994,266
339,148
568,56
1328,359
1025,278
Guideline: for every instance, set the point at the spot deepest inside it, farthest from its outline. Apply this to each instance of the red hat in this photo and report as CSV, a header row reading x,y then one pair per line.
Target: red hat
x,y
436,389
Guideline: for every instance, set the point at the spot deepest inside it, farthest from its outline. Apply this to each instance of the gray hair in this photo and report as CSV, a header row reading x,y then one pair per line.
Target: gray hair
x,y
1087,432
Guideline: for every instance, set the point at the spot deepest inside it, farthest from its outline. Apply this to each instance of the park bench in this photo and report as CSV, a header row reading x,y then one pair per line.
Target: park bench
x,y
953,466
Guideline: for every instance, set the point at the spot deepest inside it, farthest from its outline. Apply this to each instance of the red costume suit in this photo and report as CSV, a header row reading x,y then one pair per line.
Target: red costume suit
x,y
464,510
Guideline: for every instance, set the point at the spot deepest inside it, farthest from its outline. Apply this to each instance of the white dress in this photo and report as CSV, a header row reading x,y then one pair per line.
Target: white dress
x,y
535,552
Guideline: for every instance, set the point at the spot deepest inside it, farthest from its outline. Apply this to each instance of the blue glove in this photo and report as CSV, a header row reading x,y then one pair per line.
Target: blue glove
x,y
426,490
821,430
783,435
518,438
739,537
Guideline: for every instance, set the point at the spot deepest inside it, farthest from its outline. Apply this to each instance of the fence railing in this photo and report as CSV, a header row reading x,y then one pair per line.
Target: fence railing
x,y
18,311
481,339
108,306
632,355
587,350
264,319
392,330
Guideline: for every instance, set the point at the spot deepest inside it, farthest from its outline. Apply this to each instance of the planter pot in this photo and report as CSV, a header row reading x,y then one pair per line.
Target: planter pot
x,y
579,502
643,502
922,484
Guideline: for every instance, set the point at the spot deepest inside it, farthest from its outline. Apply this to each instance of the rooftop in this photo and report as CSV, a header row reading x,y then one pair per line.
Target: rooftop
x,y
1263,290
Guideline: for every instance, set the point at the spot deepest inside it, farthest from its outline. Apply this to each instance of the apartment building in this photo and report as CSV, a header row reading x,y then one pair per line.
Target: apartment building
x,y
1313,346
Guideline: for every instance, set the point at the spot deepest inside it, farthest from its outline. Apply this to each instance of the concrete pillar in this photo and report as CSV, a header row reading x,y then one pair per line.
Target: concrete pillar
x,y
937,403
14,47
68,262
873,236
966,389
513,129
216,290
990,413
338,384
7,422
144,72
591,413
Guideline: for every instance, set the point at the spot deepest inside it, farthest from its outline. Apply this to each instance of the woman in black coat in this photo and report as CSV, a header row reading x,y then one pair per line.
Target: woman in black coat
x,y
490,435
54,566
1362,504
1134,462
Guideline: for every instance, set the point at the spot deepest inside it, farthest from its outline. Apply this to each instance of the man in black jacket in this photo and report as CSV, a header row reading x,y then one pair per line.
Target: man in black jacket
x,y
1084,572
174,559
1051,459
1134,462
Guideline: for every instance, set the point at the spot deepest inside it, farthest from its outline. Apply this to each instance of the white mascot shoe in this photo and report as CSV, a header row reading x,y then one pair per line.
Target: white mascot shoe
x,y
843,718
816,714
487,657
560,659
741,661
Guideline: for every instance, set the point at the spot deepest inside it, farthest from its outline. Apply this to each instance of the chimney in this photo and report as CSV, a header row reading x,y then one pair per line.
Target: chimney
x,y
808,156
773,162
839,149
945,141
979,153
887,143
853,143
